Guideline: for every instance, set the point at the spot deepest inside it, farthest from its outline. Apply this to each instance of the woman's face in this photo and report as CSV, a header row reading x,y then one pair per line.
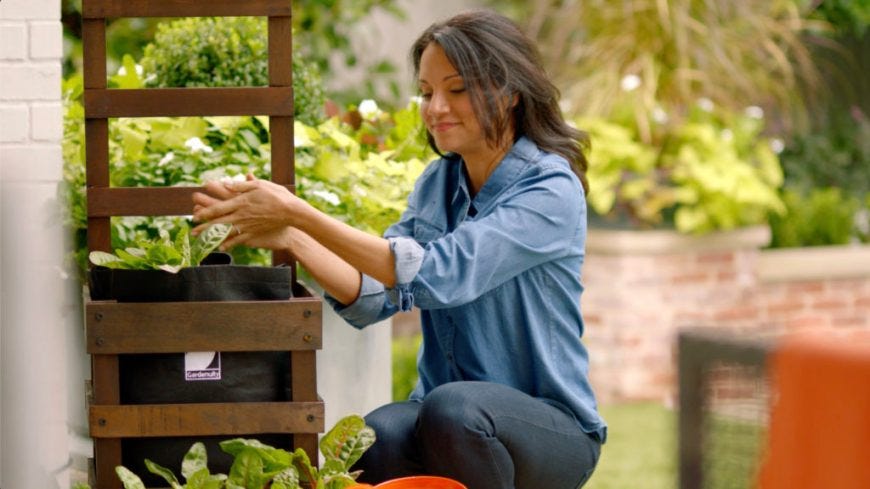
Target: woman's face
x,y
446,107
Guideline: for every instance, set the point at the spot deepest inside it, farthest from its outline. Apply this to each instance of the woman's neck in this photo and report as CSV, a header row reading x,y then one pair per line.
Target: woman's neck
x,y
480,166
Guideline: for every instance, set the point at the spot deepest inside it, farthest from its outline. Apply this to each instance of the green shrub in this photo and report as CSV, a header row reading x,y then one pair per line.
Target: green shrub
x,y
226,52
709,169
821,216
835,154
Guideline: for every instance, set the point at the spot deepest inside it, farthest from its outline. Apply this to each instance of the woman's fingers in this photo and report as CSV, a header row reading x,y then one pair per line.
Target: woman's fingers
x,y
242,187
219,190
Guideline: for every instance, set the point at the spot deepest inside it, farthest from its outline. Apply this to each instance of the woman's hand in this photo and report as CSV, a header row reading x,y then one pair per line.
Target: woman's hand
x,y
259,211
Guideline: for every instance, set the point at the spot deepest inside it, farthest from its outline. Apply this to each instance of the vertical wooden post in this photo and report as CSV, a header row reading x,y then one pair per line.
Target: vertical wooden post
x,y
104,374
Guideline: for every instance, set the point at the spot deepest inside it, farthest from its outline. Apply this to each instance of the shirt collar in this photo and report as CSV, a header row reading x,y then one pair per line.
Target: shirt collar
x,y
506,172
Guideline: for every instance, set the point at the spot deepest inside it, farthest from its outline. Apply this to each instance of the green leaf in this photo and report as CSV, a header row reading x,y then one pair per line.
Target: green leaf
x,y
103,259
347,441
182,244
248,470
194,461
167,474
128,478
133,258
307,473
207,242
161,254
202,479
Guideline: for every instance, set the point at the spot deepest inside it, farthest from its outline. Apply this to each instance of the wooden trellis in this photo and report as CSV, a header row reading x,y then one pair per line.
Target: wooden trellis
x,y
115,329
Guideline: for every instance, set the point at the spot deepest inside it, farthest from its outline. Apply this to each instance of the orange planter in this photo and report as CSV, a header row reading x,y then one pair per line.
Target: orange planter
x,y
415,482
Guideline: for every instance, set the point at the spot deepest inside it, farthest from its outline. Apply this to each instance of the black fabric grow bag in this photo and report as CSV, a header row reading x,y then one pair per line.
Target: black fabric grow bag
x,y
164,378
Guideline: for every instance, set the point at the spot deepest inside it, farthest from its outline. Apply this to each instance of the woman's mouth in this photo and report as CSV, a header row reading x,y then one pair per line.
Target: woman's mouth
x,y
443,126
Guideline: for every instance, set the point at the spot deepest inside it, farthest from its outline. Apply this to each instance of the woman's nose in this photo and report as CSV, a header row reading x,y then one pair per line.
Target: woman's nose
x,y
438,104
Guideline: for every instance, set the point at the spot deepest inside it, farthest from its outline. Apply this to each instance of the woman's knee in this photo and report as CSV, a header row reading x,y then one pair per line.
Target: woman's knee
x,y
393,422
456,406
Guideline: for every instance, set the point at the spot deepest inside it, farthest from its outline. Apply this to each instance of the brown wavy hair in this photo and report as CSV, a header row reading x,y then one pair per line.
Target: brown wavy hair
x,y
497,62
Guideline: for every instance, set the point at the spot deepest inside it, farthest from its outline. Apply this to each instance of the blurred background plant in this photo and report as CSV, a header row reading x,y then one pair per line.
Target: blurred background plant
x,y
634,74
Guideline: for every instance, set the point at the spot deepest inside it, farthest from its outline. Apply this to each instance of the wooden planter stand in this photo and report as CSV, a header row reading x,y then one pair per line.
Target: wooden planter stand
x,y
114,329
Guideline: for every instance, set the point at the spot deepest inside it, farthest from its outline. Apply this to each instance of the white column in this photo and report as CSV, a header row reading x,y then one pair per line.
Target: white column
x,y
41,356
354,368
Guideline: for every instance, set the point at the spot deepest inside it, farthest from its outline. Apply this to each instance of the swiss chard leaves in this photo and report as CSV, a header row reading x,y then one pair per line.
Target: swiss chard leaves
x,y
169,256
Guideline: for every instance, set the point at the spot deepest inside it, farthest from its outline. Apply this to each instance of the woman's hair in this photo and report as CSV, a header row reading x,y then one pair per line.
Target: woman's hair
x,y
498,62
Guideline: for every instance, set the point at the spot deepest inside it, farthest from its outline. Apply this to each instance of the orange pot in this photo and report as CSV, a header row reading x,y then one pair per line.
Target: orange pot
x,y
415,482
421,482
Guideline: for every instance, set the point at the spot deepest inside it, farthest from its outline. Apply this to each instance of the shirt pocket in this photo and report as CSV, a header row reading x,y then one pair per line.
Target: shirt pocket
x,y
424,232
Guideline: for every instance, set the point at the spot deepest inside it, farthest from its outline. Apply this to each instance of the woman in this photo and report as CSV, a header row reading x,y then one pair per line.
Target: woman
x,y
489,249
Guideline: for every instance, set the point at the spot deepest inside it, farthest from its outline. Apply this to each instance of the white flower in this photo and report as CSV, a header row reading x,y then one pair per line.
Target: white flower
x,y
659,115
629,83
166,158
754,112
195,144
326,195
368,108
416,100
727,134
123,70
777,145
705,104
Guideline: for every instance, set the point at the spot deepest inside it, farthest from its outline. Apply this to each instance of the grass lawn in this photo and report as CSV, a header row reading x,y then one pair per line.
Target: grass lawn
x,y
641,448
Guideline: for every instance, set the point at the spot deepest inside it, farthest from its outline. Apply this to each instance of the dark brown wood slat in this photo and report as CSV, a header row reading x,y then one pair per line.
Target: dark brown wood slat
x,y
181,102
142,201
106,390
171,327
107,456
281,130
238,418
94,52
280,52
303,364
184,8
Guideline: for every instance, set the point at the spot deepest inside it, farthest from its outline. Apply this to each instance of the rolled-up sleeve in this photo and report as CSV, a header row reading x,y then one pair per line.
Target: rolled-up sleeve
x,y
408,255
370,307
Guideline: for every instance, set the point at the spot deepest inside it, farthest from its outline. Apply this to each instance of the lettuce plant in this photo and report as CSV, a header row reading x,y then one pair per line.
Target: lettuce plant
x,y
258,466
162,254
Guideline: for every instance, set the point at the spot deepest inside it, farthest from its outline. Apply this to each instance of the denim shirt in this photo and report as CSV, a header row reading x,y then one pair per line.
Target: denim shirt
x,y
496,279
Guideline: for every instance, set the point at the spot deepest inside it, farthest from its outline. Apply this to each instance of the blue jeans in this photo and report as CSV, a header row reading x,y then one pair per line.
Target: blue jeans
x,y
482,434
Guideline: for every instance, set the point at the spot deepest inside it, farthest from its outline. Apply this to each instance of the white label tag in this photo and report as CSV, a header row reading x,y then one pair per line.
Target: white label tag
x,y
202,365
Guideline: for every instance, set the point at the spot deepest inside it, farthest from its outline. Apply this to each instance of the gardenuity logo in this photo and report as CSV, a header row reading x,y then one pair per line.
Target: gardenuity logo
x,y
202,365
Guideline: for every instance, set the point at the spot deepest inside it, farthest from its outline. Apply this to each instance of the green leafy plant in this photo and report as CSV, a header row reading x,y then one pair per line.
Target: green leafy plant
x,y
708,170
360,173
259,466
163,254
227,52
818,217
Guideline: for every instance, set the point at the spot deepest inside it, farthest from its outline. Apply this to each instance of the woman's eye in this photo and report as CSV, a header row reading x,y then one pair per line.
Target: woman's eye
x,y
458,90
426,96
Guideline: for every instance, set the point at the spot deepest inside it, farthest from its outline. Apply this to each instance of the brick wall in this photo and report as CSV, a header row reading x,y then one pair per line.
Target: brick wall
x,y
642,288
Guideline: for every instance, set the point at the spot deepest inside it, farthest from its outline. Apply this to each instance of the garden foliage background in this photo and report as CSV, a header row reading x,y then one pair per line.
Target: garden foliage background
x,y
704,116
